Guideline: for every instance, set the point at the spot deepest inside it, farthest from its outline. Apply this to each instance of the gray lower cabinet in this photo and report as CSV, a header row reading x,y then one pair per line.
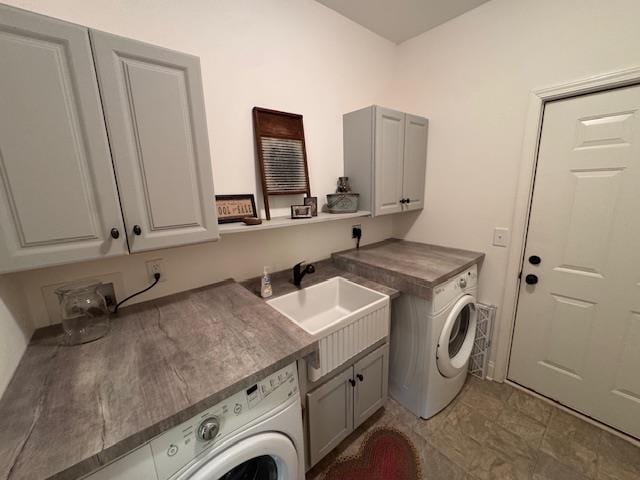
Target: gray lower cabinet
x,y
59,202
372,384
340,405
385,158
58,196
330,409
154,107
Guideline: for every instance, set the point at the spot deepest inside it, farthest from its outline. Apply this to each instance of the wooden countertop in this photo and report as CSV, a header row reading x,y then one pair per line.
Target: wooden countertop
x,y
410,267
69,410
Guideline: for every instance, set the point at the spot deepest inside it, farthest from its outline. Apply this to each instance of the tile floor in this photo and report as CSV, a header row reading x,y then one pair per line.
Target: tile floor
x,y
494,431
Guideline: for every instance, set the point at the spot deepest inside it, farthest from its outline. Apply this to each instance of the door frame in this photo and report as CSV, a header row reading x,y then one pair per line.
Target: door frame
x,y
524,196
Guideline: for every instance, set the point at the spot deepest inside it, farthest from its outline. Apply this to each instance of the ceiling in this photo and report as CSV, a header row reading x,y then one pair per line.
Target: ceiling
x,y
399,20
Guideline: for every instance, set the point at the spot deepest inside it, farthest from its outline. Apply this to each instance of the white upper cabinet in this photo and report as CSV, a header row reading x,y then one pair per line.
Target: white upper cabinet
x,y
389,149
385,158
154,107
58,197
415,161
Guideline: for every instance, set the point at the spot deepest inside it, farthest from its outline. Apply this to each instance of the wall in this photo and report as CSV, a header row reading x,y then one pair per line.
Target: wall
x,y
15,327
472,77
292,55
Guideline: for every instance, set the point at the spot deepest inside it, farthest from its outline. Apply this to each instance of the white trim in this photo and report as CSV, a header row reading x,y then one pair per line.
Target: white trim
x,y
450,367
576,414
537,100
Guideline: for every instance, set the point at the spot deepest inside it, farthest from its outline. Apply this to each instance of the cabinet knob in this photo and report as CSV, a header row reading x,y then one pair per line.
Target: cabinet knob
x,y
137,230
402,200
352,382
115,233
535,260
360,377
531,279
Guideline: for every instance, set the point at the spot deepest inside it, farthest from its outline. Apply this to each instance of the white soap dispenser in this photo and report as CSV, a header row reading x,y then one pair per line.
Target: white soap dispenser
x,y
265,287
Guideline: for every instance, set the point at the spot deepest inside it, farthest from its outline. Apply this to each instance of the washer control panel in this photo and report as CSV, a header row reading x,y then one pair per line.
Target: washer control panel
x,y
177,447
450,290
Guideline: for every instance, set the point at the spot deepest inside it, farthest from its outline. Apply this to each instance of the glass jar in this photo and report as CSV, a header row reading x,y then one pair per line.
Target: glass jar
x,y
85,315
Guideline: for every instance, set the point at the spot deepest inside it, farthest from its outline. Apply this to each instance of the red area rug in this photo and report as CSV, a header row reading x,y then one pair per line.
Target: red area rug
x,y
385,454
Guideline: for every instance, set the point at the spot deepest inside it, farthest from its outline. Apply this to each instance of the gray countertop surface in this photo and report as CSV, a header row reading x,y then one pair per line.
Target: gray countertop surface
x,y
282,284
409,267
69,410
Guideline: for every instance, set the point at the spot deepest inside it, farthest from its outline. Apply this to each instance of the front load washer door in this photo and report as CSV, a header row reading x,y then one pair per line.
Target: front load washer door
x,y
457,337
266,456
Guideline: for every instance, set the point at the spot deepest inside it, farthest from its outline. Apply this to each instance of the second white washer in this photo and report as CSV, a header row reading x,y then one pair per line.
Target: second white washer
x,y
431,342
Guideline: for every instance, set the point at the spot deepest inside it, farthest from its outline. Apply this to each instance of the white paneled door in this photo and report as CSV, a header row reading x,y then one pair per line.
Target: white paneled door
x,y
577,332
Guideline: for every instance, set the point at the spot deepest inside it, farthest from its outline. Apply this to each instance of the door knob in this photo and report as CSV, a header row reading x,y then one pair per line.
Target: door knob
x,y
531,279
137,230
535,260
115,233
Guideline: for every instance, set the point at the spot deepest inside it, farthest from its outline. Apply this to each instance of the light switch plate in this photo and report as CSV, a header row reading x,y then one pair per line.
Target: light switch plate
x,y
500,237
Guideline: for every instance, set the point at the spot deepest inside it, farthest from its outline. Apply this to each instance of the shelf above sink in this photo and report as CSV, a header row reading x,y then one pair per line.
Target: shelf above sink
x,y
284,222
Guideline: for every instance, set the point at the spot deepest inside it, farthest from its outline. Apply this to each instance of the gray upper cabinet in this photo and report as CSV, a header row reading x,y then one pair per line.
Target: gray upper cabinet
x,y
154,107
415,161
385,158
58,197
389,149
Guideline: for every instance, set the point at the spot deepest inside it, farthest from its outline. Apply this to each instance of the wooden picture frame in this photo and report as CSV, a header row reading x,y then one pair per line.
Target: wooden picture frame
x,y
282,154
301,211
313,203
233,208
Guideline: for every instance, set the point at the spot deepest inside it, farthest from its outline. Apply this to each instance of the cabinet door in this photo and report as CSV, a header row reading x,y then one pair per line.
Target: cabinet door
x,y
415,161
154,107
58,197
330,410
371,374
389,149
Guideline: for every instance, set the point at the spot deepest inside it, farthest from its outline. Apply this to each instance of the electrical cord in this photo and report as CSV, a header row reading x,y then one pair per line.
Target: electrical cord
x,y
157,279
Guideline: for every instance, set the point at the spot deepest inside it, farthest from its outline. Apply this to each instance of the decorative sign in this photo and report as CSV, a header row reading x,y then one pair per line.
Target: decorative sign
x,y
233,208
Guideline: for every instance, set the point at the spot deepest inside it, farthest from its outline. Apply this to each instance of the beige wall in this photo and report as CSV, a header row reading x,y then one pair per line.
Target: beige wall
x,y
292,55
472,77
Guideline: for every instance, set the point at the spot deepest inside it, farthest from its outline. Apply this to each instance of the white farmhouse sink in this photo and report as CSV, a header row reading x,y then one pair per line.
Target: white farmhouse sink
x,y
346,318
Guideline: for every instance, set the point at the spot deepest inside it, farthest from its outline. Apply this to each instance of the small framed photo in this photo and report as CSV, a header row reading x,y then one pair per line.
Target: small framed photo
x,y
313,203
233,208
301,211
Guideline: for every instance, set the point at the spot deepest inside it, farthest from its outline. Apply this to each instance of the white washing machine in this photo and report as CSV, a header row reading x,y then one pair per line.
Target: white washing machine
x,y
431,342
255,434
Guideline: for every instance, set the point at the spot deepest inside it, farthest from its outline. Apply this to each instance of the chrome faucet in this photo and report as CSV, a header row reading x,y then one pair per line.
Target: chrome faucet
x,y
300,270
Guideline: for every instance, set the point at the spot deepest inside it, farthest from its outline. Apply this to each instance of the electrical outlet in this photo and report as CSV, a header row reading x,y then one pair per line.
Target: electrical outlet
x,y
156,266
354,229
500,237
